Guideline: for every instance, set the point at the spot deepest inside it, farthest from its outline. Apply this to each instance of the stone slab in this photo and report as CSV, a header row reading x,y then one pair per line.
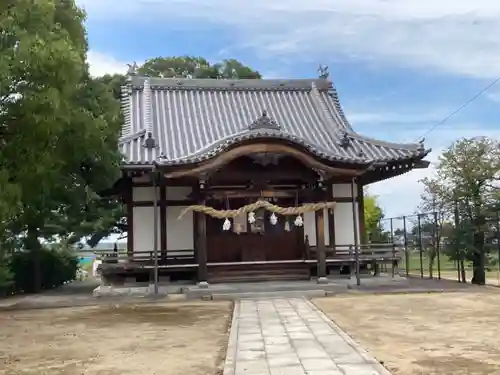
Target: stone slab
x,y
290,336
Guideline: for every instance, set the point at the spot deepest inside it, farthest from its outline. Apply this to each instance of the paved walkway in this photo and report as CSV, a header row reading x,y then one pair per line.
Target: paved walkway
x,y
292,337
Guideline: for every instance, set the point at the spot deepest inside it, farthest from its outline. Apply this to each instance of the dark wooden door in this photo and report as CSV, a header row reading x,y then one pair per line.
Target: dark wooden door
x,y
271,243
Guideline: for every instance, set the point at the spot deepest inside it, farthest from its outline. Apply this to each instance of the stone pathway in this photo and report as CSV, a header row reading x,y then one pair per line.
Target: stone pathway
x,y
292,337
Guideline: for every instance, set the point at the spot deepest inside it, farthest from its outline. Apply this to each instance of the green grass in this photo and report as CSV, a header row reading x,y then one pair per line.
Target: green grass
x,y
447,267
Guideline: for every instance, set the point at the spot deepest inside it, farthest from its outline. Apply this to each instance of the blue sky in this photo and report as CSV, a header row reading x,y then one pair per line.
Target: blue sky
x,y
400,66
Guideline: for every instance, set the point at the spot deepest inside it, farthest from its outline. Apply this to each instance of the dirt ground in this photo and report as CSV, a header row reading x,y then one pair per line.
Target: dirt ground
x,y
168,339
431,334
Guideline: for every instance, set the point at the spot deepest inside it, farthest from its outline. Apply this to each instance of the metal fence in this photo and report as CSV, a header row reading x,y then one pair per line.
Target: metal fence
x,y
438,245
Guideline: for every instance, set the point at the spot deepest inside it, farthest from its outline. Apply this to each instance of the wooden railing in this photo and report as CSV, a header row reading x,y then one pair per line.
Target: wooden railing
x,y
355,256
364,253
185,256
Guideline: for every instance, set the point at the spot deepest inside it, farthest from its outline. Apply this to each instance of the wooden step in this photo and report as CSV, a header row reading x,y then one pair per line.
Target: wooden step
x,y
248,274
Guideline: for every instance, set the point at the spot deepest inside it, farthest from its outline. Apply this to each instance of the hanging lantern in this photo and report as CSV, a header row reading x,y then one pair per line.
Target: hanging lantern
x,y
227,225
287,226
251,217
273,219
298,221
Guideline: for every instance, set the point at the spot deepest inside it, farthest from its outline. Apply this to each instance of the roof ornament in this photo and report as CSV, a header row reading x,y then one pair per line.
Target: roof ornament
x,y
323,71
132,69
345,141
150,142
421,146
264,122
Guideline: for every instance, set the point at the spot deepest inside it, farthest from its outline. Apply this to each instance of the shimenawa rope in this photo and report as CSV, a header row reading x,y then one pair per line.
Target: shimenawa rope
x,y
224,214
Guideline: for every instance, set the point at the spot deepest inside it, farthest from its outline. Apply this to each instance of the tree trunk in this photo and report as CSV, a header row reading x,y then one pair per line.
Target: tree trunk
x,y
432,258
462,271
32,244
478,261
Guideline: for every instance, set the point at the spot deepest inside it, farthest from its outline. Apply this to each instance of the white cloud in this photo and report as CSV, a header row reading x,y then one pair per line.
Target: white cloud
x,y
100,64
453,36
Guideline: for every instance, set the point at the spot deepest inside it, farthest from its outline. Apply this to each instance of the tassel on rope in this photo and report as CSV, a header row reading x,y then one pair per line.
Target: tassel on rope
x,y
225,214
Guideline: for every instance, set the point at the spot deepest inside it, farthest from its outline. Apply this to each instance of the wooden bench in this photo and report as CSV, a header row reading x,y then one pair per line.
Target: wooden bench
x,y
354,257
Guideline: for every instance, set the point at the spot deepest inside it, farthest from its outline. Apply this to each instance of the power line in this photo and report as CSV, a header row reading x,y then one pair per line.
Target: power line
x,y
461,107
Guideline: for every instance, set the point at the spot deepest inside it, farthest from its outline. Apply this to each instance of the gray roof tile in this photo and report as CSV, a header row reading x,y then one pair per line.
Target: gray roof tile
x,y
194,119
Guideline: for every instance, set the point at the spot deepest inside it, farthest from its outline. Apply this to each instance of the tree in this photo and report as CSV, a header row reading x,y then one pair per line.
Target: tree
x,y
196,67
59,128
467,180
432,201
373,214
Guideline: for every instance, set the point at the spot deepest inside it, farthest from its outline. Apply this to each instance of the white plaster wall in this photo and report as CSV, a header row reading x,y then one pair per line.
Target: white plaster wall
x,y
179,231
143,228
145,194
145,178
310,227
343,190
344,226
174,193
178,193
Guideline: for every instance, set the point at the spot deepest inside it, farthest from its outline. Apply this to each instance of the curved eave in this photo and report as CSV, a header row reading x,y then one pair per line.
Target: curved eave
x,y
220,147
155,157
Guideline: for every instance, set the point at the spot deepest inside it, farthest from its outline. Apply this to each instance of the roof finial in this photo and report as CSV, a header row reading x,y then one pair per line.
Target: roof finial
x,y
421,146
132,69
323,71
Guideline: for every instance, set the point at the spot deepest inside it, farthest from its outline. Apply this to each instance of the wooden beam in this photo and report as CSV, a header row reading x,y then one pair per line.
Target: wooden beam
x,y
201,246
173,203
163,219
130,219
361,214
331,220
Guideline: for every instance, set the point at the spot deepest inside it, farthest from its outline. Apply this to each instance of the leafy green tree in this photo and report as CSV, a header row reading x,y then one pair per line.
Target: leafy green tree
x,y
432,201
59,127
196,67
467,176
373,215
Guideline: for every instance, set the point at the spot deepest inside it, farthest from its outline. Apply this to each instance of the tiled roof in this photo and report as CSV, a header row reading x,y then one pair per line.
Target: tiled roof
x,y
191,120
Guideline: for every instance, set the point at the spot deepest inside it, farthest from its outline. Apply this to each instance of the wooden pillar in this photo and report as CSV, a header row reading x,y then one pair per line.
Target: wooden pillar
x,y
201,247
361,215
129,201
355,226
163,219
320,245
331,221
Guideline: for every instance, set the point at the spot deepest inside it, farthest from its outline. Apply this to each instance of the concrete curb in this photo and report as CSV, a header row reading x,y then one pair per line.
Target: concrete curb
x,y
232,345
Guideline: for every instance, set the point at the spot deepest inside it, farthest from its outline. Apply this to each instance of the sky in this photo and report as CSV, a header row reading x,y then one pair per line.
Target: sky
x,y
400,66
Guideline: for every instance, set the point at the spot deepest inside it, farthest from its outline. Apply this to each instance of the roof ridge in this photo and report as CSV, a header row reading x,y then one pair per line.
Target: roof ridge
x,y
334,95
228,84
323,109
131,136
126,107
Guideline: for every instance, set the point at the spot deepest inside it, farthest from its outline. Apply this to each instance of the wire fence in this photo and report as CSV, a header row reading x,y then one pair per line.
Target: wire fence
x,y
440,245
